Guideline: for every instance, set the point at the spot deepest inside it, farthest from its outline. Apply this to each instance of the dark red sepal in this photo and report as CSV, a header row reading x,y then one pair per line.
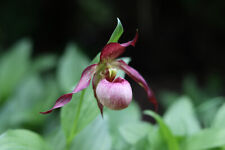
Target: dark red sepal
x,y
114,50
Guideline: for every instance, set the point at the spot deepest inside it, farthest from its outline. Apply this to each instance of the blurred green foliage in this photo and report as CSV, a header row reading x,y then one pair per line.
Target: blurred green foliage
x,y
193,120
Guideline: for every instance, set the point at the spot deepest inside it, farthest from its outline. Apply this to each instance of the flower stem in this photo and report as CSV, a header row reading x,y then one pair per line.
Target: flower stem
x,y
74,127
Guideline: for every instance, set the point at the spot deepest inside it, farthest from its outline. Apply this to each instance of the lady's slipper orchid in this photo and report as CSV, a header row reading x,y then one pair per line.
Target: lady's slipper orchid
x,y
114,93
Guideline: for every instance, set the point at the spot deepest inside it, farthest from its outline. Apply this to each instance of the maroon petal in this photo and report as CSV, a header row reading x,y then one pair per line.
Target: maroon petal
x,y
94,84
85,78
61,101
140,80
83,83
113,50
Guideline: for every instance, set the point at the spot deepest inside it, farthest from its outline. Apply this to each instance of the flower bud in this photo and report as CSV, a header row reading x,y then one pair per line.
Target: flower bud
x,y
115,95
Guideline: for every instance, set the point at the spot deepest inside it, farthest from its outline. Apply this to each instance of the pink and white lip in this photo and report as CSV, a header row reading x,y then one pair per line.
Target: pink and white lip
x,y
115,95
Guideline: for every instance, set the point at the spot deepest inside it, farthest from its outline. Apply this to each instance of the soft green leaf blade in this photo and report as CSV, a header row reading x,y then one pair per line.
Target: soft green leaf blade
x,y
56,139
181,118
119,143
205,139
31,96
134,132
211,104
165,131
44,63
156,139
94,137
129,115
71,65
219,119
78,113
82,109
49,95
167,98
14,65
22,140
118,31
142,144
17,110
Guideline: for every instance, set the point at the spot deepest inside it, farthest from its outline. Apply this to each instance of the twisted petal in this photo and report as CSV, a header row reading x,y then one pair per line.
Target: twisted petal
x,y
139,79
83,83
113,50
61,101
85,78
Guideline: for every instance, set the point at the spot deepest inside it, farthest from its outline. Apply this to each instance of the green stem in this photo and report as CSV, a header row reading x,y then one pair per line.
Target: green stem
x,y
74,128
67,146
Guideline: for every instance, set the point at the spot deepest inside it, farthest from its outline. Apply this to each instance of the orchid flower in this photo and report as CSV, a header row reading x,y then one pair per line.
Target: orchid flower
x,y
109,91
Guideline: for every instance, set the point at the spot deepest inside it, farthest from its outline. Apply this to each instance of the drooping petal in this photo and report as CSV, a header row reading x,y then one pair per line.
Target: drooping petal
x,y
113,50
135,75
95,81
85,78
83,83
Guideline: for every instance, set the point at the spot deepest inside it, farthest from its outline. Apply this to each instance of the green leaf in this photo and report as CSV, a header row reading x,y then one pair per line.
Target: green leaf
x,y
207,116
44,101
14,65
22,140
134,132
17,110
94,137
56,139
181,118
44,63
165,131
119,143
31,96
142,144
71,65
77,114
129,115
205,139
156,139
219,119
167,98
50,94
118,31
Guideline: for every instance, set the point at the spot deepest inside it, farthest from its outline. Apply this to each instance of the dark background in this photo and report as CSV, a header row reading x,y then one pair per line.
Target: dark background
x,y
177,37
